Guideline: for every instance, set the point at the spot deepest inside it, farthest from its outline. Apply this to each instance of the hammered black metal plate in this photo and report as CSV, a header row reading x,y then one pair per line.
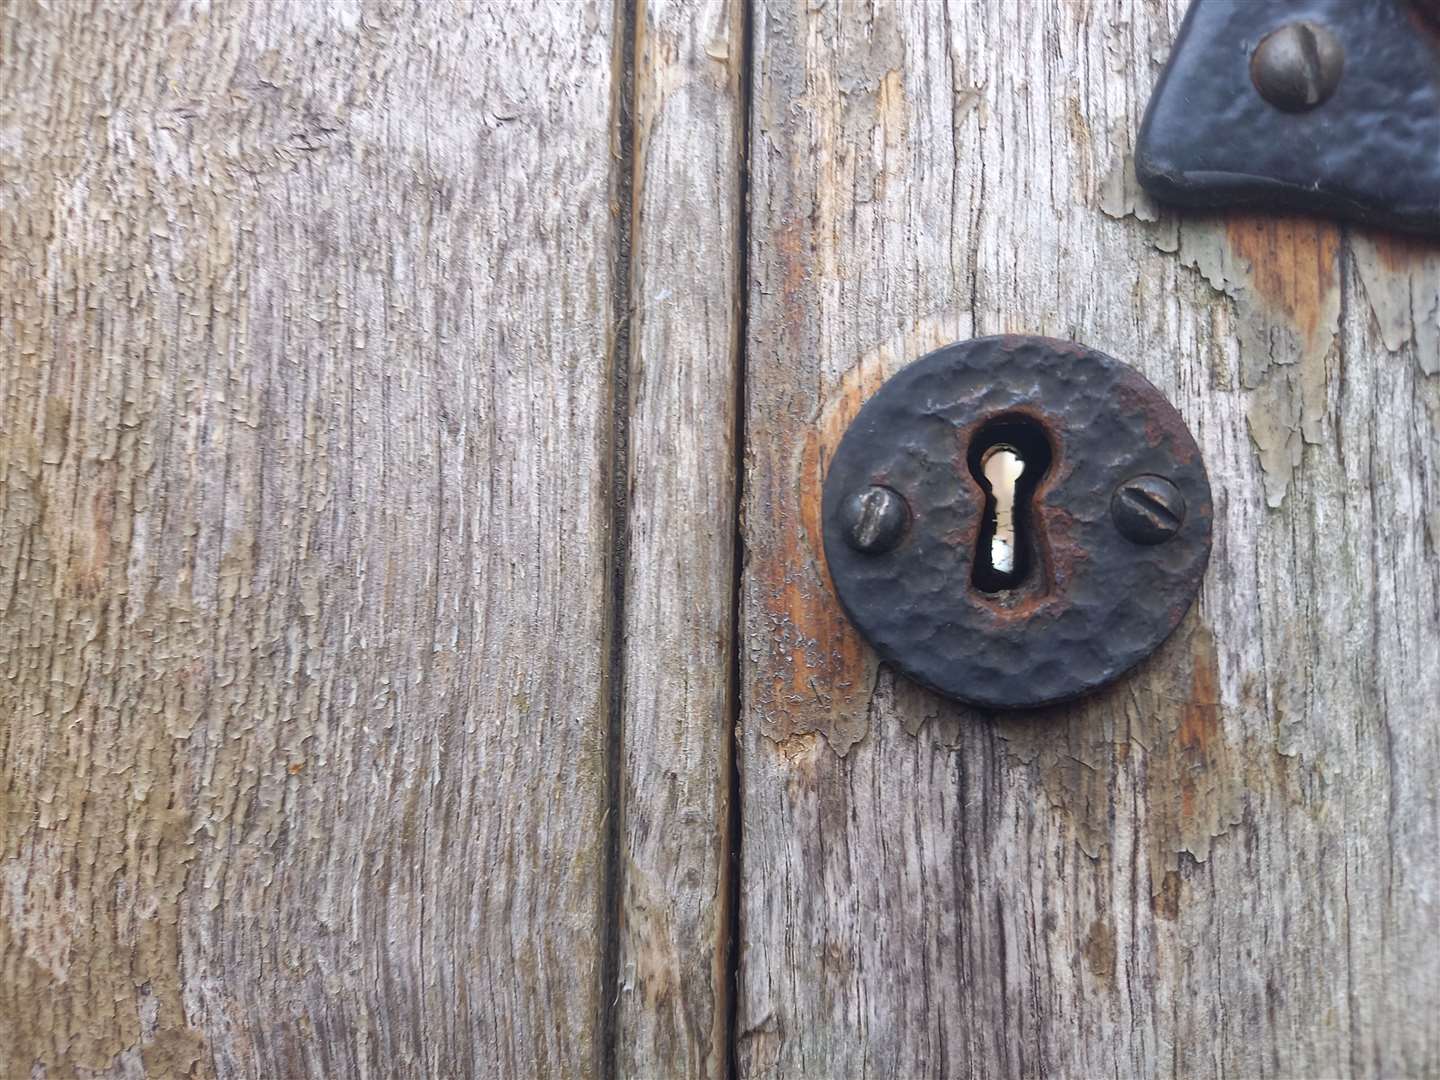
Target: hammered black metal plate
x,y
1093,603
1369,152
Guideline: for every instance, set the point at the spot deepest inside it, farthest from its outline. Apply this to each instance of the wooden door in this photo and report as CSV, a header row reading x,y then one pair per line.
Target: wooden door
x,y
416,655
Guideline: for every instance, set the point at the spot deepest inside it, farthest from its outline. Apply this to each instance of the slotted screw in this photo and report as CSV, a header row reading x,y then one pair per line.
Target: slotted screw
x,y
874,519
1148,509
1298,66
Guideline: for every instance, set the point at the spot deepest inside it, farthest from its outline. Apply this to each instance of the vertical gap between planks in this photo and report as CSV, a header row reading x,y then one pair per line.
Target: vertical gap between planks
x,y
733,852
622,264
612,891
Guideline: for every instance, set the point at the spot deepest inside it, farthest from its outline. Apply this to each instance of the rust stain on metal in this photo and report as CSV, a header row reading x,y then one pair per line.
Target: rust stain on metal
x,y
1425,16
1056,548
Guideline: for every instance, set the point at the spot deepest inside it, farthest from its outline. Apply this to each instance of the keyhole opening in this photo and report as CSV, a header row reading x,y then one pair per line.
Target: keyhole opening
x,y
1008,458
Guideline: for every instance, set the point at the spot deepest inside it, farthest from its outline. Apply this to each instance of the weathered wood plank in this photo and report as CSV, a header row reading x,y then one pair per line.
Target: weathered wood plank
x,y
675,747
303,537
1227,864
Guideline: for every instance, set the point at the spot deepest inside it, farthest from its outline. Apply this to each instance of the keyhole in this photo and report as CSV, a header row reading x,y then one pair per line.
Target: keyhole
x,y
1002,466
1009,458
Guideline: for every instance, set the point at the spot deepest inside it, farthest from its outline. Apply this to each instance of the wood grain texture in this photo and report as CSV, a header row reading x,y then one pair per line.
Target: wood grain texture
x,y
303,537
1227,863
675,747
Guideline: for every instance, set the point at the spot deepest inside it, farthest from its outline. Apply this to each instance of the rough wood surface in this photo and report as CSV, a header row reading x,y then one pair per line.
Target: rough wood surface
x,y
1225,865
309,405
303,538
675,746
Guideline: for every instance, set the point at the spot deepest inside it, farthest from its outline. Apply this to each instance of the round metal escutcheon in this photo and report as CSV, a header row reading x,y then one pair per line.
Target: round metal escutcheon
x,y
1109,522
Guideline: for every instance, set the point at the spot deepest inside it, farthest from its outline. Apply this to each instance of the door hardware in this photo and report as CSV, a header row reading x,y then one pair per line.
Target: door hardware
x,y
1016,521
1320,106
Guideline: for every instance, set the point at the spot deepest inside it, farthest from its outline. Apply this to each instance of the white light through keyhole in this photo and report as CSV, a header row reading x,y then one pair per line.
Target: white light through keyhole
x,y
1002,466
